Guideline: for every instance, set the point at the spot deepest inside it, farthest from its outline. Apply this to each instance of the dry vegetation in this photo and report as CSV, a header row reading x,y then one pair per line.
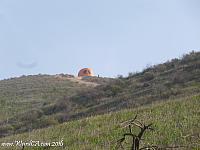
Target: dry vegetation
x,y
175,123
32,102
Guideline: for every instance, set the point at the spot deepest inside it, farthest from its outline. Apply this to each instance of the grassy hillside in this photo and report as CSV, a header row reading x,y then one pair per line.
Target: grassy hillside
x,y
26,92
26,99
171,80
176,122
32,102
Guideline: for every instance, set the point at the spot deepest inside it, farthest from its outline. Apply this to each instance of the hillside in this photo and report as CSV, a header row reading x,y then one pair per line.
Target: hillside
x,y
32,102
173,79
175,122
28,92
20,95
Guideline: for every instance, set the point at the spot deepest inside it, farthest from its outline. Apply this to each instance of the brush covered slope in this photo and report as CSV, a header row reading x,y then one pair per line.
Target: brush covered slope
x,y
176,123
33,102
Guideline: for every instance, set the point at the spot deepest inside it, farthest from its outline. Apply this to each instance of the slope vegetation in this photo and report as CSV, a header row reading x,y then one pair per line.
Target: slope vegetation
x,y
28,102
176,123
33,102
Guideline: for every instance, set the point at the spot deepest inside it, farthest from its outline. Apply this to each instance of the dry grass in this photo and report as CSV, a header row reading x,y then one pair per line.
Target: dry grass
x,y
175,122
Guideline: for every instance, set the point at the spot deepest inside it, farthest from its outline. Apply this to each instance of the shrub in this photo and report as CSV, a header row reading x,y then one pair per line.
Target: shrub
x,y
54,108
115,89
147,77
5,130
31,115
45,122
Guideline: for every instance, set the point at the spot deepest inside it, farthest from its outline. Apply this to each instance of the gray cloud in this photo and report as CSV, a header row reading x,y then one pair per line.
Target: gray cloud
x,y
27,65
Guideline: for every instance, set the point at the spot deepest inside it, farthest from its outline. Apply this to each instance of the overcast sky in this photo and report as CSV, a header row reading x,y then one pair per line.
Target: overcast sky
x,y
111,36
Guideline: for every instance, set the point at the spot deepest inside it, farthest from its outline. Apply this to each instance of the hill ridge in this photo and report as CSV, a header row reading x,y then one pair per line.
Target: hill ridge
x,y
32,102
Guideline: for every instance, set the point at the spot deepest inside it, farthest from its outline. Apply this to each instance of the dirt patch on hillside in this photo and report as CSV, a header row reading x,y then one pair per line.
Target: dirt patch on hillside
x,y
76,80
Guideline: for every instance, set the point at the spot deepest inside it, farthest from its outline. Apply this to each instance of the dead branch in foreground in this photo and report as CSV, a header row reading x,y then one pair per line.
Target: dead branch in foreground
x,y
136,138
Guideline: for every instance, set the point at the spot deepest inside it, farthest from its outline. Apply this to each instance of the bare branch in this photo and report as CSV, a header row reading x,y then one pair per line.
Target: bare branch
x,y
135,138
128,122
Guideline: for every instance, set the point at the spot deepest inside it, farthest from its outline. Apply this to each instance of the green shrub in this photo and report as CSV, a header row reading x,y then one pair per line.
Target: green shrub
x,y
6,129
54,108
147,77
45,122
30,116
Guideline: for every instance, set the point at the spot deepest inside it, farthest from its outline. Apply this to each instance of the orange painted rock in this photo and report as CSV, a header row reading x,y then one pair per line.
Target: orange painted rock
x,y
85,72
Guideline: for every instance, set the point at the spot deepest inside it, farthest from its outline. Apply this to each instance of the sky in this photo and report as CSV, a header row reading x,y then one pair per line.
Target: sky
x,y
114,37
